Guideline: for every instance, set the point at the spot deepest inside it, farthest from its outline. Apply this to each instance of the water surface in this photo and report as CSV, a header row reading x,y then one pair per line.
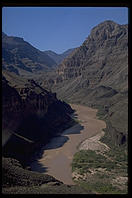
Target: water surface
x,y
58,153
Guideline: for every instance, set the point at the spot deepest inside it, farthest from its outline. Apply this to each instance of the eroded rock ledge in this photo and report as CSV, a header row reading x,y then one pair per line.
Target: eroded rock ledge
x,y
31,116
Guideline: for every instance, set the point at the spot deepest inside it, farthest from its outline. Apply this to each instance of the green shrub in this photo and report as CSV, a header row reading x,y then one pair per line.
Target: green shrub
x,y
89,159
102,188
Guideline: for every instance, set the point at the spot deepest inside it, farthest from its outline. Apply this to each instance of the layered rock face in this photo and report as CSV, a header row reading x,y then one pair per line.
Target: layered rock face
x,y
19,57
30,116
96,74
105,47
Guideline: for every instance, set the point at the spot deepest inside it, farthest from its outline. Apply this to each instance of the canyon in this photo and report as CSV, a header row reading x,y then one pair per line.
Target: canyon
x,y
37,90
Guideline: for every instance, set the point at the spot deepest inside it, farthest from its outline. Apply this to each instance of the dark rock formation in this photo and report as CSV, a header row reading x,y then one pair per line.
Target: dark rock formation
x,y
30,116
13,174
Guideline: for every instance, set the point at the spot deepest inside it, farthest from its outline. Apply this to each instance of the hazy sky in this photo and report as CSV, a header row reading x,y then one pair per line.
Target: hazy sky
x,y
57,28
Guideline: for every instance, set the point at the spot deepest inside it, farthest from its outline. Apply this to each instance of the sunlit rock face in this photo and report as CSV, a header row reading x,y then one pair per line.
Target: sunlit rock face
x,y
96,74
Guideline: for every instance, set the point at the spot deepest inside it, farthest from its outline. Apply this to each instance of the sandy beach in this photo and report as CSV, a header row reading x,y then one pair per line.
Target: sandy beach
x,y
58,153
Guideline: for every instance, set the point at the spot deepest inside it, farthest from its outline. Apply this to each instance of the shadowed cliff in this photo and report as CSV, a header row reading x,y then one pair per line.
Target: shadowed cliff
x,y
30,117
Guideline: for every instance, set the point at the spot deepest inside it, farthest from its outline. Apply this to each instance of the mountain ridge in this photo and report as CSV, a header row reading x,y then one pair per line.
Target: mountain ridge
x,y
96,74
20,56
58,58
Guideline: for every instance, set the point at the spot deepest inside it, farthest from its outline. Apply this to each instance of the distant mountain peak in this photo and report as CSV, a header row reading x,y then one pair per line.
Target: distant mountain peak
x,y
108,22
15,38
4,35
58,58
107,25
19,56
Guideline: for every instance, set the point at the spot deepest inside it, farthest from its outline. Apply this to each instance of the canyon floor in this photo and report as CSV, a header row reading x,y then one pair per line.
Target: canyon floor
x,y
58,153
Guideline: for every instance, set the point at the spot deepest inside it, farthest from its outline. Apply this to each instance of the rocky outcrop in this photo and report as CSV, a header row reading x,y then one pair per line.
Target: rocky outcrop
x,y
13,174
30,116
17,180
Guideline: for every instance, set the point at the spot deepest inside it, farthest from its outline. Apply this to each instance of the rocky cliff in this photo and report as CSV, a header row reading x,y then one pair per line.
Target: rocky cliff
x,y
30,116
96,74
102,54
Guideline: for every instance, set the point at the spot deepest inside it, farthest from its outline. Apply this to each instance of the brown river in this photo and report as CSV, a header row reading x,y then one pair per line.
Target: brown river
x,y
58,153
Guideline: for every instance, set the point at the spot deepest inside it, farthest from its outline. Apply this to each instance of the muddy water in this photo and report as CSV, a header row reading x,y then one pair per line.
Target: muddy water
x,y
58,153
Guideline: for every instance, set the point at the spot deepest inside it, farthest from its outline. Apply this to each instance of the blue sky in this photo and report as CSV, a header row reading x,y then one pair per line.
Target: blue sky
x,y
57,28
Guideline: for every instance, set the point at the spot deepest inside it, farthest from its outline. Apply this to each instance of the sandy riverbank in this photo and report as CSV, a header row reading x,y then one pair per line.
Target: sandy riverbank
x,y
58,154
